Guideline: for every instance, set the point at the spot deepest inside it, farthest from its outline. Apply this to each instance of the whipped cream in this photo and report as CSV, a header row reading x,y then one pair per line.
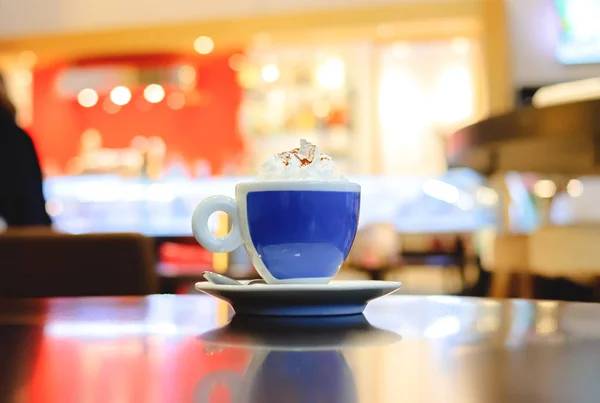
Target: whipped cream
x,y
304,163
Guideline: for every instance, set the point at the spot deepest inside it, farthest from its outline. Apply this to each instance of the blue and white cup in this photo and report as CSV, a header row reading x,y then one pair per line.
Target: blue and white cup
x,y
297,232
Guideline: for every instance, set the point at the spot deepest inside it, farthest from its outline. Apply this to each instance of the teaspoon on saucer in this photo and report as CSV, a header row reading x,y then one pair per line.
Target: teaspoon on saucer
x,y
220,279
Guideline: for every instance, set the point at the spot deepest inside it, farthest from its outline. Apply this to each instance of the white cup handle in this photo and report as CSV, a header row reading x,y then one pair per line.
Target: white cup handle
x,y
204,235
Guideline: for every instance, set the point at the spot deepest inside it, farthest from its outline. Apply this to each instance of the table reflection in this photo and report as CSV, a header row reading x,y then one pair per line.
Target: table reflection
x,y
293,359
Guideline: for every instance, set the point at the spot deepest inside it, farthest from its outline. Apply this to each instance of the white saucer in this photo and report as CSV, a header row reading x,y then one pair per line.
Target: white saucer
x,y
335,298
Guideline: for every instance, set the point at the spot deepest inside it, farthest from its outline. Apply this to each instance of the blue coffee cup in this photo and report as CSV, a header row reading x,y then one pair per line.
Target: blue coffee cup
x,y
297,232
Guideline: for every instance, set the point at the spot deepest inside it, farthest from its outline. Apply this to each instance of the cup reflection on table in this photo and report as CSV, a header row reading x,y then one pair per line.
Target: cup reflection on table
x,y
290,376
294,359
303,376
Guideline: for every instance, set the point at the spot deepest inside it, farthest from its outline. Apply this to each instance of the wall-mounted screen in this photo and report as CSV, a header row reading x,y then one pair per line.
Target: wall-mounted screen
x,y
579,40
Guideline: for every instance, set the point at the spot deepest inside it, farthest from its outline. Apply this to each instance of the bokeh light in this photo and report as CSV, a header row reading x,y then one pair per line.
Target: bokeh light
x,y
331,74
120,95
204,45
154,93
176,100
544,188
249,77
186,74
270,73
575,188
87,97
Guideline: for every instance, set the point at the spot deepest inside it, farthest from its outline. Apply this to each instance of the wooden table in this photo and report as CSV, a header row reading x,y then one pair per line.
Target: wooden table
x,y
427,349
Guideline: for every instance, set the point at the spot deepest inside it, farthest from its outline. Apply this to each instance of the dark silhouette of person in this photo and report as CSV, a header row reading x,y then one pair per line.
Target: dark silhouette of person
x,y
22,200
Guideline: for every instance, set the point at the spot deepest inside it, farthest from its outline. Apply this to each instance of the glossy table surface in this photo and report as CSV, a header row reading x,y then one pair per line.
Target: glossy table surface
x,y
404,349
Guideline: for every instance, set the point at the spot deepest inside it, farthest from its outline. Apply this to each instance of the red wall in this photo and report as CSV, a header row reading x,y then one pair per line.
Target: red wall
x,y
206,130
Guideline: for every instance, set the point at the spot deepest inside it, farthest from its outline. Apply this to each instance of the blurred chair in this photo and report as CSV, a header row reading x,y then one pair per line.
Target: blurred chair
x,y
376,250
510,262
42,263
445,252
570,251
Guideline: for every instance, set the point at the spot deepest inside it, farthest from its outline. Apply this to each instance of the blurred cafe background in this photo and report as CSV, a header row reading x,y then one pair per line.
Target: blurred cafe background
x,y
473,127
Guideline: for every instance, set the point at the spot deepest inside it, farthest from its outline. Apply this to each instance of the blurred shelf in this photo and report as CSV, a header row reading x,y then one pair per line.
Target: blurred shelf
x,y
561,139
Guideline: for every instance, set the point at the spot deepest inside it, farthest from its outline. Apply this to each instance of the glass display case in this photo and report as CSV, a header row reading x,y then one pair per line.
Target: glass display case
x,y
455,202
